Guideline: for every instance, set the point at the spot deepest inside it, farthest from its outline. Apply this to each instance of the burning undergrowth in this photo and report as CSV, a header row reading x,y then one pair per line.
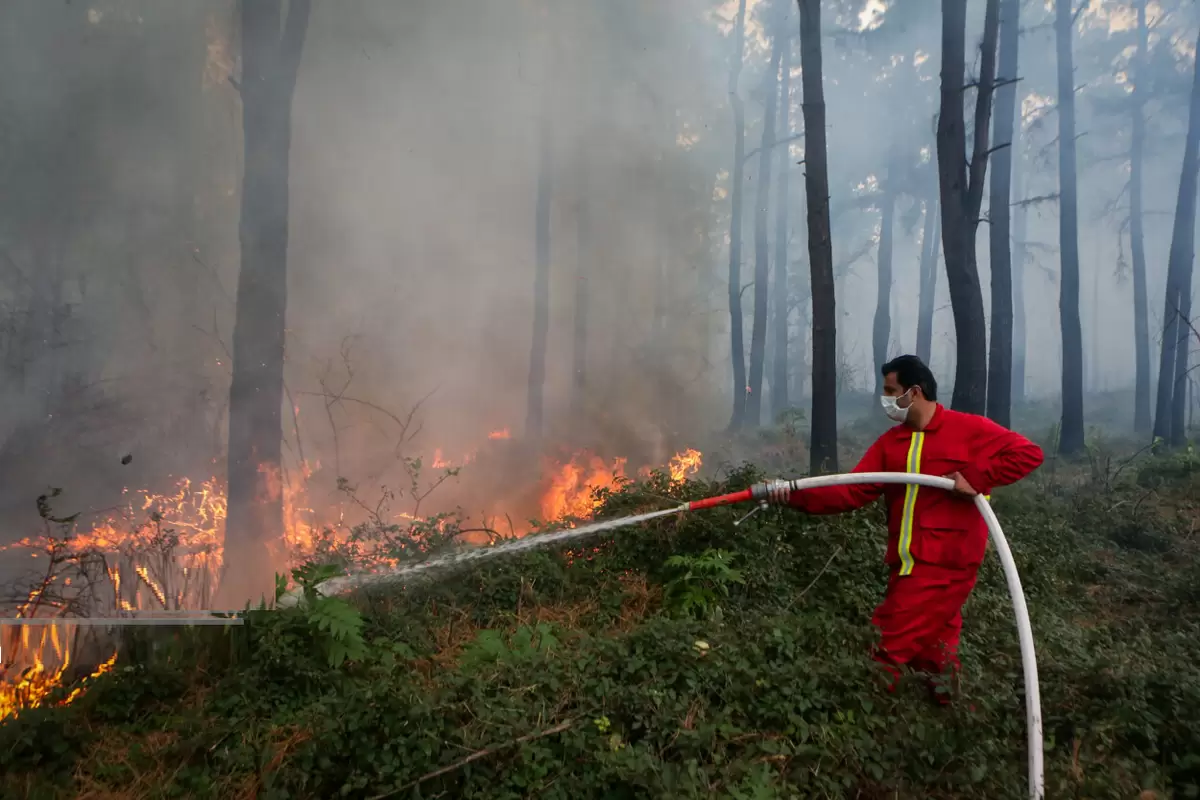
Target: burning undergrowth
x,y
163,552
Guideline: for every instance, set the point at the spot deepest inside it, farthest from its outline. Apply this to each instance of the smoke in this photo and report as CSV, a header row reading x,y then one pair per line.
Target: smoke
x,y
411,260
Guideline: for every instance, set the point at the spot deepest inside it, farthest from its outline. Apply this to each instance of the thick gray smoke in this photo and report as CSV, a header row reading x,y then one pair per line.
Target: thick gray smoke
x,y
415,164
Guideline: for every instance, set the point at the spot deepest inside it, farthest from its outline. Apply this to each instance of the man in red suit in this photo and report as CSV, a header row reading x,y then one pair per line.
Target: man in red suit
x,y
936,539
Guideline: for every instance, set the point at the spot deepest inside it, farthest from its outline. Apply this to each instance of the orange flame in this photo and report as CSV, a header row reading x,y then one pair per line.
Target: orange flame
x,y
165,551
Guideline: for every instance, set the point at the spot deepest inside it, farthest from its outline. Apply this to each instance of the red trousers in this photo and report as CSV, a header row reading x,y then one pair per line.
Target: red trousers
x,y
920,619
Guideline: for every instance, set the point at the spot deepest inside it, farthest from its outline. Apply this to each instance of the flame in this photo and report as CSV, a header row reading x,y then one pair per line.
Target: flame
x,y
165,552
684,464
573,484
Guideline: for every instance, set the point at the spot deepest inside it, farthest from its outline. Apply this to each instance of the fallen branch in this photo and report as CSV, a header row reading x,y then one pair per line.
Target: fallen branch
x,y
478,754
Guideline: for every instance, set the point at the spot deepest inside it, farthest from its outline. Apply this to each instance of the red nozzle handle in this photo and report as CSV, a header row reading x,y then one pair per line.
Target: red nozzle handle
x,y
722,500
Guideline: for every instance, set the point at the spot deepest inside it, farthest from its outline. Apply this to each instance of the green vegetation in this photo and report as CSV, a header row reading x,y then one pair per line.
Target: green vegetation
x,y
684,659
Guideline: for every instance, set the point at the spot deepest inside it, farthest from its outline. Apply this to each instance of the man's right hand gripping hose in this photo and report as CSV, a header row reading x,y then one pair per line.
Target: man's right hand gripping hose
x,y
777,492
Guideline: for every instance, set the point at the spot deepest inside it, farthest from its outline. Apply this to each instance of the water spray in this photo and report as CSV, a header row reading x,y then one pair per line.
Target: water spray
x,y
759,494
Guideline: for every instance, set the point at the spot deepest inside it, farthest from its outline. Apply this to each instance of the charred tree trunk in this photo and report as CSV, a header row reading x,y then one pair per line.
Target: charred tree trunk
x,y
780,401
1172,368
254,522
1137,244
1071,437
999,383
762,244
737,345
882,331
823,437
580,334
930,247
1018,276
541,282
962,194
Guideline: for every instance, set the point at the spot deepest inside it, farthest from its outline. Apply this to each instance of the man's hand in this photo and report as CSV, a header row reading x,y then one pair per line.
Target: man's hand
x,y
778,492
961,487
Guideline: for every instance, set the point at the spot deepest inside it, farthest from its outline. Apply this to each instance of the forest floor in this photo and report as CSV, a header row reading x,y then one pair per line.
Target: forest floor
x,y
686,658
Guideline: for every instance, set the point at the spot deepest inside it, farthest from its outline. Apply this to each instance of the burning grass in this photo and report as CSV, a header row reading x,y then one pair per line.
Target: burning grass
x,y
163,553
553,676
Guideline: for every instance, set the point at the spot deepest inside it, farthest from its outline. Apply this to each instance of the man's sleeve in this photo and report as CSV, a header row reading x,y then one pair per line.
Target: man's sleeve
x,y
1000,456
837,499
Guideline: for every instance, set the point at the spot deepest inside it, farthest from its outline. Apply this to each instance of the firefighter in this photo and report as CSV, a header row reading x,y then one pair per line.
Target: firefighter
x,y
936,539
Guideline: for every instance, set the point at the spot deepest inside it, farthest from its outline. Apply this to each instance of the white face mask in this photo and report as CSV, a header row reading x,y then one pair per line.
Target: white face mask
x,y
891,407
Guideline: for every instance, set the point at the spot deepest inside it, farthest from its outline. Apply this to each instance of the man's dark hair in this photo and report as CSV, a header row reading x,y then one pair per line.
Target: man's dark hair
x,y
911,371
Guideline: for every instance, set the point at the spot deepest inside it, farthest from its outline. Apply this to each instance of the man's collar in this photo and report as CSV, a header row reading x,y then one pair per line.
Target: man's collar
x,y
934,423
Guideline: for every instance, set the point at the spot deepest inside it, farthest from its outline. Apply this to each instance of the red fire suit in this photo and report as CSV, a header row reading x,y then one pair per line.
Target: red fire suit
x,y
936,539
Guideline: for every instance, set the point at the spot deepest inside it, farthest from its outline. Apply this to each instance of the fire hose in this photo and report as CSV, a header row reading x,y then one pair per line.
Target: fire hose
x,y
1033,703
760,493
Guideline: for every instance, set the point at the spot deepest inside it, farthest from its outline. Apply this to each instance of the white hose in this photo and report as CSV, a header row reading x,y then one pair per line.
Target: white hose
x,y
1033,702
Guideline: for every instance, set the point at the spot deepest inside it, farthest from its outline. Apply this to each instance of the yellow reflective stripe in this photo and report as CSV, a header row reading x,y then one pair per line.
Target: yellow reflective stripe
x,y
910,504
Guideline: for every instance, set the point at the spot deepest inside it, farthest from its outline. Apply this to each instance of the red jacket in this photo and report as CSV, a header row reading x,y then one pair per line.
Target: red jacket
x,y
931,525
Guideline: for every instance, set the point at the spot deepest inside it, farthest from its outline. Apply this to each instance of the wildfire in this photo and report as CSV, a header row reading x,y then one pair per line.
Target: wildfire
x,y
572,486
164,552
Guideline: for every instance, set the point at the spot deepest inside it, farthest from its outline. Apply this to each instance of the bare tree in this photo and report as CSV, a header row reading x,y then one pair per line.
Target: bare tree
x,y
962,194
1071,436
1019,255
541,280
758,331
580,334
737,344
881,331
1171,403
930,249
1137,244
779,371
999,382
270,61
823,437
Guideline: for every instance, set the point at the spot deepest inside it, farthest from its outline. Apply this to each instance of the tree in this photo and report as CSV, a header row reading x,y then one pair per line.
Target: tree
x,y
579,334
1071,435
881,332
927,292
736,333
1137,245
999,381
779,380
270,61
823,436
541,280
1019,251
758,331
1170,404
962,194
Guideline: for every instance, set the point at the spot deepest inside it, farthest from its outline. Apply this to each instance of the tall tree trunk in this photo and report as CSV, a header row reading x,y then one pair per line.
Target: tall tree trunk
x,y
780,378
1172,369
762,244
930,248
882,331
737,346
579,338
823,436
1071,436
1137,245
254,521
962,195
541,281
999,396
1020,217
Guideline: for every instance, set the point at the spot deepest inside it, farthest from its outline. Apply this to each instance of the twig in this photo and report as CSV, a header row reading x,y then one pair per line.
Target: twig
x,y
813,582
478,754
